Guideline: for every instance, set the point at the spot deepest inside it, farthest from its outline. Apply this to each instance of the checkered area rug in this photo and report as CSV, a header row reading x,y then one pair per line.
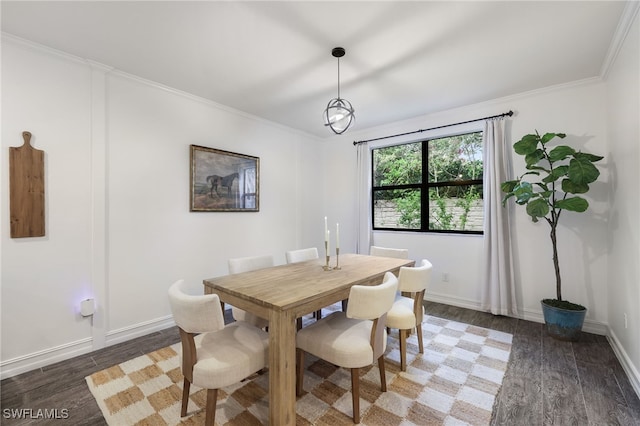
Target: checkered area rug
x,y
455,382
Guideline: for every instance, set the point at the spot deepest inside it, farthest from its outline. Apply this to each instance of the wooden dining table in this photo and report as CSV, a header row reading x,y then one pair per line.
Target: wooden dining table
x,y
286,292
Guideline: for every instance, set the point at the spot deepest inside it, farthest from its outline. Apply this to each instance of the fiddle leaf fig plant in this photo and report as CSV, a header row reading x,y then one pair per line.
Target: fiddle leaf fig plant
x,y
554,178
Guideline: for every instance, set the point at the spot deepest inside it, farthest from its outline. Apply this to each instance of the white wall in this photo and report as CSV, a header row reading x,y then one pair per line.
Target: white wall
x,y
118,226
578,110
44,278
623,239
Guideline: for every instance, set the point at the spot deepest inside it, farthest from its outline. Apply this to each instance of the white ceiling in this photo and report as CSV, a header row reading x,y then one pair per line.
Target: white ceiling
x,y
273,59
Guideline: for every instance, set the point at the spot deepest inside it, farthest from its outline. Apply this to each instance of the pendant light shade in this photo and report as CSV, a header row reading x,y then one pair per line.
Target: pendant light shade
x,y
339,114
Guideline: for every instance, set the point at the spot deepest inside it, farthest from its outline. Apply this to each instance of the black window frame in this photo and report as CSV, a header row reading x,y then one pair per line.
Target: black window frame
x,y
424,187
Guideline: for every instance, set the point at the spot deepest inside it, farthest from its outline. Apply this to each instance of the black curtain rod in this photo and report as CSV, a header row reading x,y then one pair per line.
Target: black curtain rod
x,y
510,113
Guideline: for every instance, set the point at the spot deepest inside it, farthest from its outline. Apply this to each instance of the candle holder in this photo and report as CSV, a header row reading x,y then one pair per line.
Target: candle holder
x,y
337,259
326,266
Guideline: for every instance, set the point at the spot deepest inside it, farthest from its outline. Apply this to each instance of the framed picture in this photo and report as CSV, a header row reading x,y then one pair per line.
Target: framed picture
x,y
223,181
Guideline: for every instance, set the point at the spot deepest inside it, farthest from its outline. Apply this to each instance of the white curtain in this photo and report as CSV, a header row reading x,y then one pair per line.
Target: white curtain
x,y
363,185
498,286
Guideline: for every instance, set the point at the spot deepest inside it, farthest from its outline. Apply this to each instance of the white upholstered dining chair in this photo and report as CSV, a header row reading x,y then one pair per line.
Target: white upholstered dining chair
x,y
354,339
407,312
246,264
302,255
389,252
214,355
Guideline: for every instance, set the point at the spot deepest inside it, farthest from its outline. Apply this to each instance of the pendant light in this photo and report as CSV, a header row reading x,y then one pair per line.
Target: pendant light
x,y
339,113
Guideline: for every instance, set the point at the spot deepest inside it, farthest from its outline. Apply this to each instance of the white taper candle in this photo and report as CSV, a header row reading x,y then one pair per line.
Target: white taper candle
x,y
326,235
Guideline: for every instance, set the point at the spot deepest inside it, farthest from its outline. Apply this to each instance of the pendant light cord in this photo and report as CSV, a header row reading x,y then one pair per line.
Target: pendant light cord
x,y
338,78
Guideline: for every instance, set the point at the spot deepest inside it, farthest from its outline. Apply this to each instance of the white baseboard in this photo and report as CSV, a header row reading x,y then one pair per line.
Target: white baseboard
x,y
138,330
590,326
39,359
453,301
627,365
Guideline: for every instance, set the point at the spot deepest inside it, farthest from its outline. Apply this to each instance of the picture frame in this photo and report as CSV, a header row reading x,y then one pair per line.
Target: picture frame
x,y
223,181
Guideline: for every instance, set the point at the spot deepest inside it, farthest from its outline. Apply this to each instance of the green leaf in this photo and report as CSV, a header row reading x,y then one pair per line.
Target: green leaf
x,y
592,158
548,136
526,145
537,208
532,173
574,188
506,198
543,186
560,152
508,185
556,174
582,171
533,157
523,192
574,204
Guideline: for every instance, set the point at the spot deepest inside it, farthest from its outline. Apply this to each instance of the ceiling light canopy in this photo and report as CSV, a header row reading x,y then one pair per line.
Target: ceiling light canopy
x,y
339,112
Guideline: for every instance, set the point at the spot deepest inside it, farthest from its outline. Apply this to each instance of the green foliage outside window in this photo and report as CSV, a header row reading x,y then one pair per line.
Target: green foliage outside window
x,y
452,190
398,165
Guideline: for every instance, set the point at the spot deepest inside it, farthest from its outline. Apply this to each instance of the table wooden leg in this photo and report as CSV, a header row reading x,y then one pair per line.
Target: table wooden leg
x,y
282,368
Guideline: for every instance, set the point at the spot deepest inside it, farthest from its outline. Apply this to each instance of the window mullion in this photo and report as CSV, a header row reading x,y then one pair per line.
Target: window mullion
x,y
424,192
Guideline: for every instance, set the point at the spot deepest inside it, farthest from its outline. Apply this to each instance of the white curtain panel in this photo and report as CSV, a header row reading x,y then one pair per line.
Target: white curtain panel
x,y
363,221
498,286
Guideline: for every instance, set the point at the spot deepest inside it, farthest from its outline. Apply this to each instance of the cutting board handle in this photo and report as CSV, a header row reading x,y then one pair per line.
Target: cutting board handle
x,y
27,138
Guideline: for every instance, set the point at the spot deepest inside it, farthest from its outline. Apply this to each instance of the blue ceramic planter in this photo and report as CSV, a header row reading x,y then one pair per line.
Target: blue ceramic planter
x,y
563,324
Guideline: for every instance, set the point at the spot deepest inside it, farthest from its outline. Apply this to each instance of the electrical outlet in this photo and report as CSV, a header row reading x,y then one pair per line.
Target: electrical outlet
x,y
625,320
445,277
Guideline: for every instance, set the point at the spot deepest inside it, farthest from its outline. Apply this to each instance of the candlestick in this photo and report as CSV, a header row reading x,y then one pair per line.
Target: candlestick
x,y
326,266
337,259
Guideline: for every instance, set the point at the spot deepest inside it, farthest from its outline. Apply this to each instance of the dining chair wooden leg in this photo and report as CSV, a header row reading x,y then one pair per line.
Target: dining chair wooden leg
x,y
355,394
318,314
383,377
299,323
344,305
299,371
403,350
419,331
210,413
186,384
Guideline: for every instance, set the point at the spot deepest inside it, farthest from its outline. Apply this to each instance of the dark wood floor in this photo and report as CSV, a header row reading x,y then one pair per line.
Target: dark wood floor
x,y
548,382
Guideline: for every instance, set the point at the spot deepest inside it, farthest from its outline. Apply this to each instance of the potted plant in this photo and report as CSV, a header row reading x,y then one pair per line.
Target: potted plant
x,y
549,186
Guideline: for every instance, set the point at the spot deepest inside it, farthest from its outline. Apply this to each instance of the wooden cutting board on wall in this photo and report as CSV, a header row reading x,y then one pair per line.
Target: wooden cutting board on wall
x,y
26,190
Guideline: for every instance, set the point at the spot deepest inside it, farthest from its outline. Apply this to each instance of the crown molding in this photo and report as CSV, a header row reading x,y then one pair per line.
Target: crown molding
x,y
100,67
624,25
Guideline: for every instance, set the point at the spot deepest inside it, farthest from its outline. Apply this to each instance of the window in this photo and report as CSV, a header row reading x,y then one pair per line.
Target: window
x,y
433,185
